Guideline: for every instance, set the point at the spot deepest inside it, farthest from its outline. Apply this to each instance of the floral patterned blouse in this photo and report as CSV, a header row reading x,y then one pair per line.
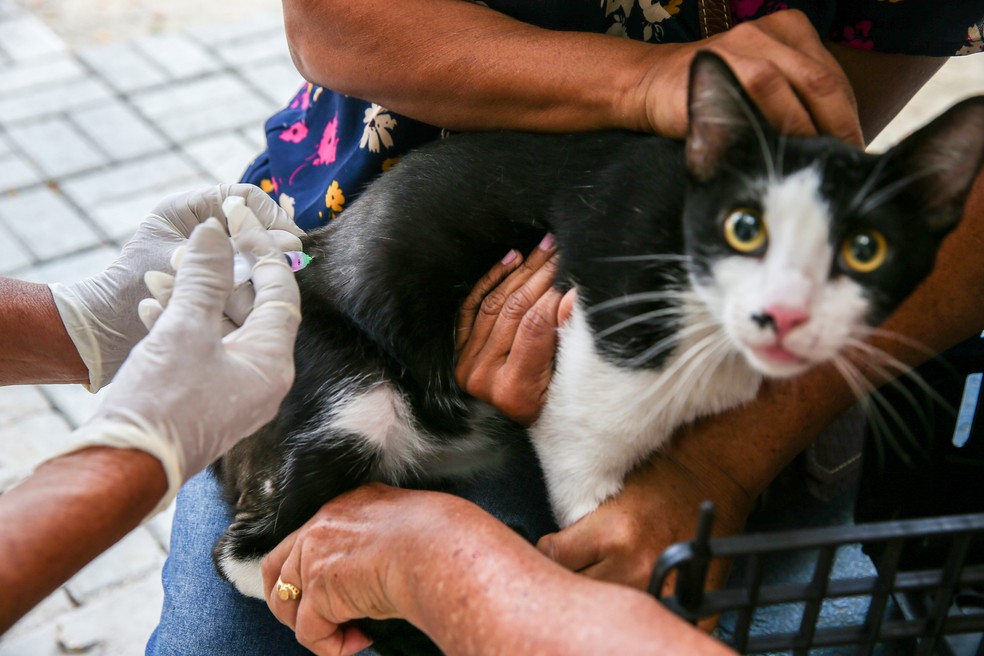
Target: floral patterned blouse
x,y
324,147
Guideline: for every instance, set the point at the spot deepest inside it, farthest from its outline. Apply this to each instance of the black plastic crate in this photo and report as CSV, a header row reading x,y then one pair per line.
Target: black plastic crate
x,y
934,610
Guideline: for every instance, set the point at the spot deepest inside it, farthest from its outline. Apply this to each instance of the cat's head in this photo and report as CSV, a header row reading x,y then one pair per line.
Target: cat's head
x,y
800,245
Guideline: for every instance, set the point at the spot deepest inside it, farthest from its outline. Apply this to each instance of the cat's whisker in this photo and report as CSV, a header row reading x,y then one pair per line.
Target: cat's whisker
x,y
668,343
869,182
654,257
640,297
889,191
894,368
757,128
914,344
661,346
876,408
640,318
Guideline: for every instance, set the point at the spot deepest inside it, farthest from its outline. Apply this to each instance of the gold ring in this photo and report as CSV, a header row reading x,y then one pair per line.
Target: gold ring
x,y
287,591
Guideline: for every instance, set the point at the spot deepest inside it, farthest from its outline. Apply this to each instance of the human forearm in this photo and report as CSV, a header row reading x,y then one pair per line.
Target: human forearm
x,y
88,500
494,594
35,347
463,66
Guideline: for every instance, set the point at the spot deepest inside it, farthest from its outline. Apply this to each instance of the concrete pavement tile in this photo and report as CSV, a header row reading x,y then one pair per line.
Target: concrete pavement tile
x,y
43,73
28,441
13,255
160,527
120,217
72,268
39,641
56,147
256,24
43,101
124,67
224,156
16,173
118,130
18,401
119,622
42,615
278,81
74,402
25,37
269,47
255,137
130,178
47,225
178,55
128,560
203,107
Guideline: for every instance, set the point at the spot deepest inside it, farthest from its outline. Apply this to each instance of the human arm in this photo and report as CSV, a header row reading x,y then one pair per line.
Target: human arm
x,y
466,67
160,424
372,553
35,347
65,514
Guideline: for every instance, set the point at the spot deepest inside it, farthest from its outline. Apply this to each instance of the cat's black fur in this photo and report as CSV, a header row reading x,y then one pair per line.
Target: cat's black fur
x,y
382,294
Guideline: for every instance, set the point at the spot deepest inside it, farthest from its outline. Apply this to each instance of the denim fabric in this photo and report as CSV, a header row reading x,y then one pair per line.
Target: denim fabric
x,y
205,615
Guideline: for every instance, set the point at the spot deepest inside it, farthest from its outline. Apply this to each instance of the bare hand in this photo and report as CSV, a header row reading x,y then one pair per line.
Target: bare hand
x,y
339,559
621,540
507,333
783,65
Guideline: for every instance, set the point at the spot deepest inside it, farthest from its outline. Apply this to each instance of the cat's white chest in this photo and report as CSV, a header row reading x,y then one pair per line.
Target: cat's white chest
x,y
600,419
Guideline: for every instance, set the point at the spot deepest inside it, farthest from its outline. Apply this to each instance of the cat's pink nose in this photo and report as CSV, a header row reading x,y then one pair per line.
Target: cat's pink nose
x,y
781,318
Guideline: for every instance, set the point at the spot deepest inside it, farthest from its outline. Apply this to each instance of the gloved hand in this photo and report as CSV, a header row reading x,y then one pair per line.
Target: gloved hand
x,y
100,313
186,394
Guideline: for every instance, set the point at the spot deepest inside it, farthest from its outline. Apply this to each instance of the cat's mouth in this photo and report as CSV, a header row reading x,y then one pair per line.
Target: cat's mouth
x,y
777,361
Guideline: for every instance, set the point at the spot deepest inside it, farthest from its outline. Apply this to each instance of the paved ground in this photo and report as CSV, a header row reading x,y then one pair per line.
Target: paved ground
x,y
92,134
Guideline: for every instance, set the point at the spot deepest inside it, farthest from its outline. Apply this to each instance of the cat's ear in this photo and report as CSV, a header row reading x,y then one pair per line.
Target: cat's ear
x,y
940,162
720,114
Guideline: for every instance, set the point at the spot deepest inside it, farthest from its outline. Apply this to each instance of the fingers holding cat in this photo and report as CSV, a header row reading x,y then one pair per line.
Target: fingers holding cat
x,y
783,65
339,561
621,540
507,333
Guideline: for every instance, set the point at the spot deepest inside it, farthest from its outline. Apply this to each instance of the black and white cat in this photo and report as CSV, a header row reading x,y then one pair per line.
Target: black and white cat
x,y
700,266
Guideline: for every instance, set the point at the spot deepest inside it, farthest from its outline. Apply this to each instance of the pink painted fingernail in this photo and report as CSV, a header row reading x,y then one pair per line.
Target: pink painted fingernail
x,y
547,243
510,256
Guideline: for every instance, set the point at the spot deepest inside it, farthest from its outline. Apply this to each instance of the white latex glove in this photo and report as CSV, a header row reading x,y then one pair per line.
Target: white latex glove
x,y
100,313
187,393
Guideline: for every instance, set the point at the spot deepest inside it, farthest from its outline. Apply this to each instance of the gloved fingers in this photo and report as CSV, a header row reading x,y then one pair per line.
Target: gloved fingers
x,y
204,275
160,285
240,303
285,241
177,255
248,235
269,214
149,310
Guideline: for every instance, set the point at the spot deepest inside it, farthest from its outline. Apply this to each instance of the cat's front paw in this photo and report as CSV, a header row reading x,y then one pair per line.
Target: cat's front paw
x,y
246,575
573,499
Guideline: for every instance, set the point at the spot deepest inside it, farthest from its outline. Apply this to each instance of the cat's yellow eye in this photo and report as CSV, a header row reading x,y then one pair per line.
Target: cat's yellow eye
x,y
864,251
744,230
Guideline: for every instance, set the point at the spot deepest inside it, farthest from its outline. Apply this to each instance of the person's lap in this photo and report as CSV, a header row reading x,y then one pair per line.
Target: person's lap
x,y
203,614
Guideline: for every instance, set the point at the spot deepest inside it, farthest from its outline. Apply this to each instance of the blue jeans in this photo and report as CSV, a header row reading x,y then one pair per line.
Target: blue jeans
x,y
203,614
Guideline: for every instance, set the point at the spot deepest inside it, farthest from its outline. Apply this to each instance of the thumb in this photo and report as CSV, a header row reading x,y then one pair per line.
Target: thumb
x,y
566,549
204,278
